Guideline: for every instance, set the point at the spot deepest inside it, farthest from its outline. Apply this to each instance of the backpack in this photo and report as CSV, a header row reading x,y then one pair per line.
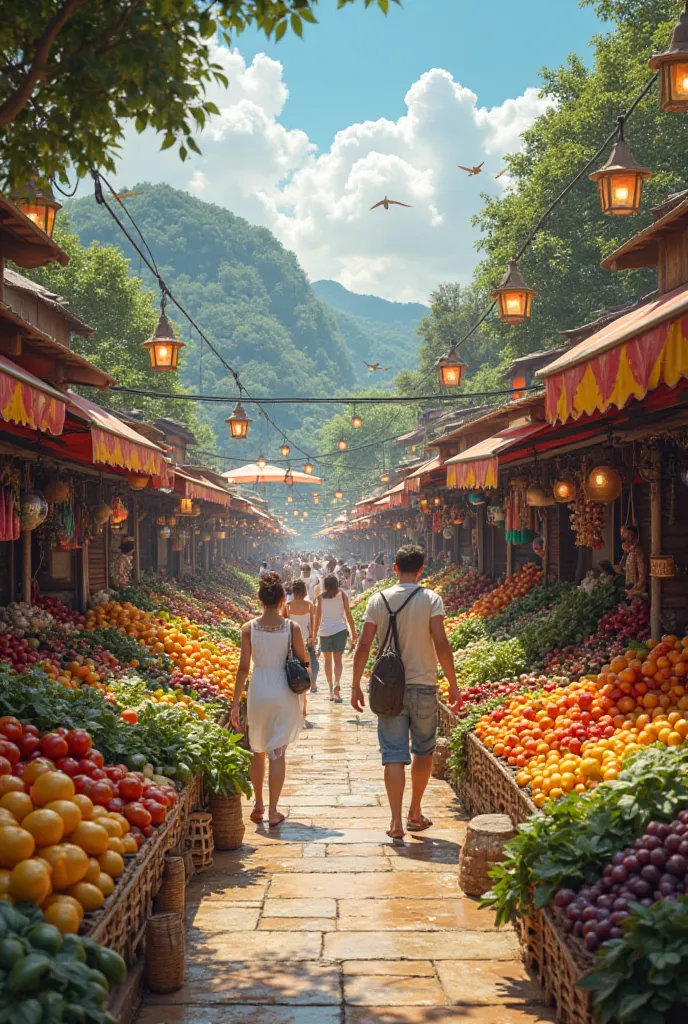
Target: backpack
x,y
388,678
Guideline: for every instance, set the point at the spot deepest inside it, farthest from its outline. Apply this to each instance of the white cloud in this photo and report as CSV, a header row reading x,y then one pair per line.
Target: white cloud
x,y
318,204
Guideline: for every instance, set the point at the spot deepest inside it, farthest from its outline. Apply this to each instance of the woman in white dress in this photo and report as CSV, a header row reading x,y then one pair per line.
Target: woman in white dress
x,y
273,710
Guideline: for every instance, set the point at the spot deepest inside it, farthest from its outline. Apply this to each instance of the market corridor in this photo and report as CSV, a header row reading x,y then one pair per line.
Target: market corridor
x,y
324,921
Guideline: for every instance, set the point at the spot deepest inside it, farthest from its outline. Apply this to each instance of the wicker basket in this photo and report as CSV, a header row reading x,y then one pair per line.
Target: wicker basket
x,y
440,758
228,821
446,721
560,964
200,838
489,786
170,898
165,952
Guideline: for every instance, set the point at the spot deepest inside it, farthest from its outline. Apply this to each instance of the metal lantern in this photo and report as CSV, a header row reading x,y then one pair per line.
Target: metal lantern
x,y
289,499
289,478
356,421
185,506
284,450
451,368
537,497
514,297
33,510
384,477
672,66
137,481
163,347
316,500
437,501
56,491
305,515
171,520
262,462
603,484
564,490
296,512
339,494
239,423
165,533
101,514
342,444
38,203
621,179
308,468
398,526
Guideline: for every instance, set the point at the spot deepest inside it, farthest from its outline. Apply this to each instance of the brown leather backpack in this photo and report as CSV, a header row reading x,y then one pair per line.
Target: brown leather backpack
x,y
388,678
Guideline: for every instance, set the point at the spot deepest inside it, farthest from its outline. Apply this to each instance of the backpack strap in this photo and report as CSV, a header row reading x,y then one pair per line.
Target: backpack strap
x,y
392,631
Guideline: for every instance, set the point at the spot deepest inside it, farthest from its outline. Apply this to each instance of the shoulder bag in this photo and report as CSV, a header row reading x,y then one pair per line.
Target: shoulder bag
x,y
297,674
388,678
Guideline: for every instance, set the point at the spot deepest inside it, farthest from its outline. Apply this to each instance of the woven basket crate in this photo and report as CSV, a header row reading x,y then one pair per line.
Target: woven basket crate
x,y
171,895
200,838
446,721
165,952
228,821
489,786
559,964
440,758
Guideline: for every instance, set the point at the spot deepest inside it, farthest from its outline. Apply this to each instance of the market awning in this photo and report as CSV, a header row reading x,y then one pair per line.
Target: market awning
x,y
116,444
626,359
28,401
413,480
478,466
201,490
253,474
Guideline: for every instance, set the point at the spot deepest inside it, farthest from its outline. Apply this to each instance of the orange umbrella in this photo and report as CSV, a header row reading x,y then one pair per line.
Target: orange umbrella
x,y
253,474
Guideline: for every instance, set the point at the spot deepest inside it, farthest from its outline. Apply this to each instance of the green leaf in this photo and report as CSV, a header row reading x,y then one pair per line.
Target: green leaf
x,y
168,141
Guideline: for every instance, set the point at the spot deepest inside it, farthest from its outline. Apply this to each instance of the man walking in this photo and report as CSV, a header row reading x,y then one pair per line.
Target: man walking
x,y
422,644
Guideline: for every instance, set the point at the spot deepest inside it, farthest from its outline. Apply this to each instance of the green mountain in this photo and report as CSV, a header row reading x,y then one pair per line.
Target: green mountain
x,y
244,289
375,330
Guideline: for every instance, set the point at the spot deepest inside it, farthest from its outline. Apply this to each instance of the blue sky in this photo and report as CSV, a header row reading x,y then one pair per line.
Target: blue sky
x,y
357,64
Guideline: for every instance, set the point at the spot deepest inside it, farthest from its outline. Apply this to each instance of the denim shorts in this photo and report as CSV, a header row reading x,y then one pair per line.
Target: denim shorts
x,y
417,719
335,644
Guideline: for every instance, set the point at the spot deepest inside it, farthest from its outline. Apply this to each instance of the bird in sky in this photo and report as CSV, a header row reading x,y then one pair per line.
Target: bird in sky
x,y
472,171
503,171
376,366
126,195
389,202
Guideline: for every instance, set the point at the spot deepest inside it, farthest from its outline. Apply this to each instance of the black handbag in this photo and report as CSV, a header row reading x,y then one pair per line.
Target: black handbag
x,y
297,674
388,678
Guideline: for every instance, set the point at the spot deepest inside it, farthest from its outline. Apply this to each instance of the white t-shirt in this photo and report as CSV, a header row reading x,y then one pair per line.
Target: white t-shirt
x,y
413,625
312,585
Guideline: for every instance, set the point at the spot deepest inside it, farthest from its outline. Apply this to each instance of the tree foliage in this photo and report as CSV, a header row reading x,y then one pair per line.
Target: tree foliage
x,y
73,71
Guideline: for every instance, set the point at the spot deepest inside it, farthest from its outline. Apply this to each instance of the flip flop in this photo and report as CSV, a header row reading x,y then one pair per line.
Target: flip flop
x,y
274,824
395,837
257,817
418,826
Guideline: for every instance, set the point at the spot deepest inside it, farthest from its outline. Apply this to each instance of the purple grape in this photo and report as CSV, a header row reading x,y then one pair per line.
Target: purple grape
x,y
620,904
631,863
658,857
578,929
603,930
618,858
652,843
651,874
618,916
683,817
676,865
663,831
672,843
591,942
646,901
589,914
615,933
639,887
683,848
605,901
643,856
653,828
564,897
669,880
620,873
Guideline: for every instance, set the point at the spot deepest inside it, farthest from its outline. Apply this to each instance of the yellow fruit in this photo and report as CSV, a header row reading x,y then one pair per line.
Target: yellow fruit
x,y
17,803
93,872
89,896
85,805
111,863
51,786
45,826
63,916
125,826
105,884
6,817
16,844
91,837
99,812
68,901
130,845
69,863
112,827
30,881
116,845
10,783
68,811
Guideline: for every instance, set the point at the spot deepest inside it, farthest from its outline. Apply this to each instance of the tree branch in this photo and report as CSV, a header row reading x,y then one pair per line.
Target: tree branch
x,y
15,103
94,44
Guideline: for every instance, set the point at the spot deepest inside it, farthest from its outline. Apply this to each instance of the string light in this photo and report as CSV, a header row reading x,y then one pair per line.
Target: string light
x,y
261,462
621,179
342,444
239,423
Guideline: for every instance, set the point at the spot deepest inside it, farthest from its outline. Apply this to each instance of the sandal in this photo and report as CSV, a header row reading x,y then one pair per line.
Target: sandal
x,y
418,826
280,819
257,816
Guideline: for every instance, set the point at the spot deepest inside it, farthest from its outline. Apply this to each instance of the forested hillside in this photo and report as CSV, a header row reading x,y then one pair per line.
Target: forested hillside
x,y
246,291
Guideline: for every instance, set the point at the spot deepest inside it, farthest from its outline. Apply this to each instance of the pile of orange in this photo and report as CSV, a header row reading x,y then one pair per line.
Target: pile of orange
x,y
577,736
513,588
75,674
57,849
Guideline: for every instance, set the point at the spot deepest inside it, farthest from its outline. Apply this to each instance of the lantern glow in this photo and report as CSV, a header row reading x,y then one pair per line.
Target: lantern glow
x,y
238,423
672,66
451,368
308,468
564,490
356,421
603,484
261,462
185,506
284,450
621,179
338,494
384,477
342,444
514,297
163,347
38,203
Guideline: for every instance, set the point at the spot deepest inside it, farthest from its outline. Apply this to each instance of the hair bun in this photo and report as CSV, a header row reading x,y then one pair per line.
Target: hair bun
x,y
271,579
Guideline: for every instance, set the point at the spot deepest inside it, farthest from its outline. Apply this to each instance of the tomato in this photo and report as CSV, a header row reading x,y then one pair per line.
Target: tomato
x,y
130,716
136,814
147,831
31,730
157,811
98,774
53,744
83,783
17,769
116,804
6,767
171,796
79,742
10,751
68,765
10,728
28,744
130,788
86,767
101,792
96,756
114,774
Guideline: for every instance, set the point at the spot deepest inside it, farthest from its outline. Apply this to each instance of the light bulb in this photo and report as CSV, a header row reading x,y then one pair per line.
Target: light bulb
x,y
163,351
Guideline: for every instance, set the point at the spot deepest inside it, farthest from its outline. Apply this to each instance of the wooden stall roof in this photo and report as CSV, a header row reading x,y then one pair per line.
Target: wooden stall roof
x,y
50,299
24,242
644,248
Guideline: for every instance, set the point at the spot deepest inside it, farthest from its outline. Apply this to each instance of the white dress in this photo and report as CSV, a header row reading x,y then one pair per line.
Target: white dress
x,y
273,710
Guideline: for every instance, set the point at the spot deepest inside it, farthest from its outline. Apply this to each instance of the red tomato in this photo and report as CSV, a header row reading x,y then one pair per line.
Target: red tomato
x,y
98,774
157,811
27,744
31,730
130,788
136,814
53,744
61,729
79,742
147,831
68,765
10,751
83,783
17,769
95,756
86,767
11,728
123,768
116,804
6,767
171,796
102,792
130,716
114,774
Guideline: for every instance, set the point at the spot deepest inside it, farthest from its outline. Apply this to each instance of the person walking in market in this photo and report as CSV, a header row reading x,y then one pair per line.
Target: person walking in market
x,y
301,610
273,710
333,622
408,738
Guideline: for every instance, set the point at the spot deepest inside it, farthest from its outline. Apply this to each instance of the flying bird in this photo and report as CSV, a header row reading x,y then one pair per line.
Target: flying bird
x,y
389,202
503,171
126,195
472,171
376,366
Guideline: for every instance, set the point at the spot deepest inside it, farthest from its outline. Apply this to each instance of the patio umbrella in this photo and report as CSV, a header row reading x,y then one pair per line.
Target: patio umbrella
x,y
253,474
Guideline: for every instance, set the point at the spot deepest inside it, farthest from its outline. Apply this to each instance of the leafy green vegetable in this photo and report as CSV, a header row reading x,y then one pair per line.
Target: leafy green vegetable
x,y
571,620
489,660
472,628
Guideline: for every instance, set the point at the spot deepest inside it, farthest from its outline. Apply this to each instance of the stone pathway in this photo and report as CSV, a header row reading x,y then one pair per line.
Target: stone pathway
x,y
324,921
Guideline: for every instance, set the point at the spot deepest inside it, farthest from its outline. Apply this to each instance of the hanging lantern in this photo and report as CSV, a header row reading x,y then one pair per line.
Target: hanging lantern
x,y
308,468
137,481
163,347
316,500
537,497
284,450
262,462
451,368
33,510
305,515
289,498
165,533
221,534
172,521
514,297
289,478
603,484
356,421
239,423
564,490
384,477
56,491
621,179
672,66
38,203
101,514
437,501
398,526
296,512
185,506
120,512
342,445
339,494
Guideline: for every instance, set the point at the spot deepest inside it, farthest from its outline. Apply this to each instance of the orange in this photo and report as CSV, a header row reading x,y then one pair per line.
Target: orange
x,y
68,811
117,845
112,827
64,916
69,863
5,876
89,896
51,786
122,821
105,884
18,804
35,768
30,881
16,844
112,863
91,837
130,845
10,783
45,826
93,872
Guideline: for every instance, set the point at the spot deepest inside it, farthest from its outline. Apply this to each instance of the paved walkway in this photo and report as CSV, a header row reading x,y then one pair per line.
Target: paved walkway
x,y
324,921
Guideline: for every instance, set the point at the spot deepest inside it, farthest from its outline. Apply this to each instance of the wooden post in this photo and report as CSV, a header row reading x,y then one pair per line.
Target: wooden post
x,y
26,566
655,542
